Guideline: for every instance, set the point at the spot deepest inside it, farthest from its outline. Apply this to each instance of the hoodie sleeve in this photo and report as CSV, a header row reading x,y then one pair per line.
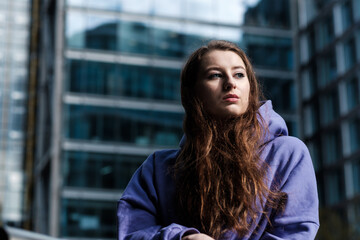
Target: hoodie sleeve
x,y
138,214
299,220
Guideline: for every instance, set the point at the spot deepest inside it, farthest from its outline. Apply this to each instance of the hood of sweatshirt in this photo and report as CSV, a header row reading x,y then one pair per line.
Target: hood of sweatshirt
x,y
273,123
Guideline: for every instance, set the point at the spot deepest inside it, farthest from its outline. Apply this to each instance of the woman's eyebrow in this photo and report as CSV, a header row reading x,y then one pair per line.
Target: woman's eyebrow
x,y
220,68
236,67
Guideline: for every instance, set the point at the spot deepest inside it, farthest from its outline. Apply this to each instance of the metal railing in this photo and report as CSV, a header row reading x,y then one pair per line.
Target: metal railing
x,y
21,234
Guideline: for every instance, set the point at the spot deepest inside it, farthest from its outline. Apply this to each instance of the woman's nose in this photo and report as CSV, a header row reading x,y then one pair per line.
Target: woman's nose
x,y
229,83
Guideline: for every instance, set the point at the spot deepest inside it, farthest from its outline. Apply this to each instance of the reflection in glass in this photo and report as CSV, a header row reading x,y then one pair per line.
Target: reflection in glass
x,y
101,33
134,37
123,80
99,170
168,39
139,127
88,218
75,30
269,52
267,13
89,31
197,35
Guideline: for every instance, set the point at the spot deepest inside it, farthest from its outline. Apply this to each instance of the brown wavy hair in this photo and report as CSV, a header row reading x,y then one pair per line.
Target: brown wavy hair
x,y
219,175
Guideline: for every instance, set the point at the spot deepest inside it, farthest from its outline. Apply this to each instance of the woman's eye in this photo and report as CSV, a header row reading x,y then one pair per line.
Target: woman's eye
x,y
239,75
215,75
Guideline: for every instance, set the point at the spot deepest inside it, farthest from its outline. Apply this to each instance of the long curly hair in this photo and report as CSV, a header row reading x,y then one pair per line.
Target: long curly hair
x,y
219,175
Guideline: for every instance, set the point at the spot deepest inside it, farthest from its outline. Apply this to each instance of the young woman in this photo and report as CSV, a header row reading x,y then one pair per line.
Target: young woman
x,y
237,173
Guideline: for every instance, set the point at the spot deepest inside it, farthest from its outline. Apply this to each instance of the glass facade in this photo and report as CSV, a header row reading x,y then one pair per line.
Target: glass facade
x,y
99,170
329,70
133,81
14,42
88,218
138,127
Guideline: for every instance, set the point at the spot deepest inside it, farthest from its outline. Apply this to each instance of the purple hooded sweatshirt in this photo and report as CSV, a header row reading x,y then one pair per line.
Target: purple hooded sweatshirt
x,y
146,209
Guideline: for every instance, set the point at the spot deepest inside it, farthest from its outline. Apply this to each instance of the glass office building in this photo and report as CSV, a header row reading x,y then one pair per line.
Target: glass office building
x,y
329,80
14,42
109,93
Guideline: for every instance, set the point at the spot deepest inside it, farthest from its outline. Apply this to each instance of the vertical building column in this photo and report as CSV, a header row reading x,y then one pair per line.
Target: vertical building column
x,y
57,121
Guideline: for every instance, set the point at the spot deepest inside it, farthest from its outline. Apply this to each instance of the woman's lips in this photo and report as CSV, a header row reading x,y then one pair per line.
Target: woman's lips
x,y
231,98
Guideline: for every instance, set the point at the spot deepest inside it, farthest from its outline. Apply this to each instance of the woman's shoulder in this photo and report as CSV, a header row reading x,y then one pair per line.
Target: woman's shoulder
x,y
288,144
286,153
162,157
159,163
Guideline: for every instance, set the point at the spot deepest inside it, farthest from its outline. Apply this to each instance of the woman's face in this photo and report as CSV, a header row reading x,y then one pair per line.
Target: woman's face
x,y
223,85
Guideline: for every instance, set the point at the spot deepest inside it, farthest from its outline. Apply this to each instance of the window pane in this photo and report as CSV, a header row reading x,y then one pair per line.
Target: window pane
x,y
101,33
354,129
327,69
309,81
332,147
134,37
265,13
140,127
278,51
123,80
346,13
356,176
112,5
349,53
168,39
99,170
311,123
197,35
173,8
137,6
334,189
352,93
200,10
325,31
232,34
88,218
75,29
281,92
330,106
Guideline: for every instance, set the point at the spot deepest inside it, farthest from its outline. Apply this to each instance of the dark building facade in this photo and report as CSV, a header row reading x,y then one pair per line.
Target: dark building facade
x,y
108,93
329,79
